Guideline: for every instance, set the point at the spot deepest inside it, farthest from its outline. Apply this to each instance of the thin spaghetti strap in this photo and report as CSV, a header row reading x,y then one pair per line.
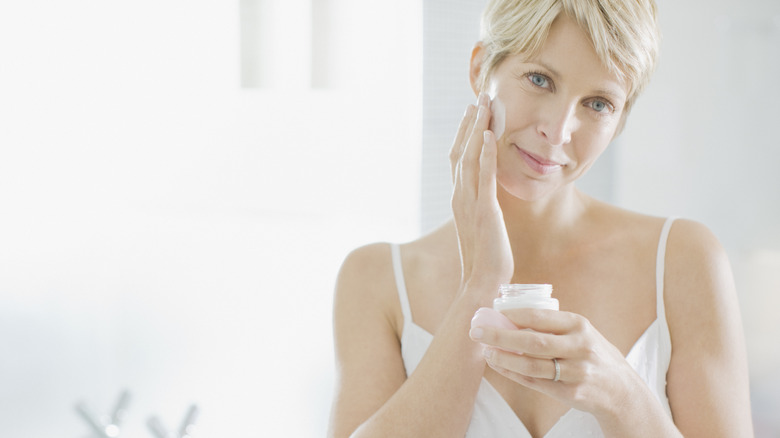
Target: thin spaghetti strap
x,y
400,284
659,269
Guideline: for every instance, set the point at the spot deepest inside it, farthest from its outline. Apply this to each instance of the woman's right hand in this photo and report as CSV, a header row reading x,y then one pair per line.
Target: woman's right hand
x,y
485,252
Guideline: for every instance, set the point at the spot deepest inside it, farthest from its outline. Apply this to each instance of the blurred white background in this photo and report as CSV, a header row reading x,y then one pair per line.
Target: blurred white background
x,y
176,199
180,180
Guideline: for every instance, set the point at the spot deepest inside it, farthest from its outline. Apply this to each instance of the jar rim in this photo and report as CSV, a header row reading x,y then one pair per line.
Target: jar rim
x,y
516,289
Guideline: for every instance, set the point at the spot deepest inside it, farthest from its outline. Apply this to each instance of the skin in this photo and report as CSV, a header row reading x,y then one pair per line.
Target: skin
x,y
512,223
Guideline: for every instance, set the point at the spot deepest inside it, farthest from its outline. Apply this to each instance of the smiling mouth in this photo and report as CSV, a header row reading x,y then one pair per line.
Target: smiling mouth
x,y
539,164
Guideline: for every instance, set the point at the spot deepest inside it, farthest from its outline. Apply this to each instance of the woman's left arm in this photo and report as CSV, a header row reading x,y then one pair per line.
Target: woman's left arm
x,y
707,382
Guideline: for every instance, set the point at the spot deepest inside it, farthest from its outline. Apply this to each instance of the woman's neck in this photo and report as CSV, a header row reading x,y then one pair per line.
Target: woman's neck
x,y
544,226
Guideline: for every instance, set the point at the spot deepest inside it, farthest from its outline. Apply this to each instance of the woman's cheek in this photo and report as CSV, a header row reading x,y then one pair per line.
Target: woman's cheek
x,y
512,112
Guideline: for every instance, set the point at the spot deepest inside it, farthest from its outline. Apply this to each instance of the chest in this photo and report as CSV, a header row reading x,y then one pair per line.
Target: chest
x,y
616,294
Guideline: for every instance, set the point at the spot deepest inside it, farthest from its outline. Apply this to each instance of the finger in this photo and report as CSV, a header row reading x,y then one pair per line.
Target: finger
x,y
529,366
486,316
546,320
560,390
469,162
529,342
487,167
459,144
517,377
473,144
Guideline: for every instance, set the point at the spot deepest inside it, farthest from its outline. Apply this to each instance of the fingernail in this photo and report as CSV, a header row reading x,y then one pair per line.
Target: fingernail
x,y
485,136
483,99
476,333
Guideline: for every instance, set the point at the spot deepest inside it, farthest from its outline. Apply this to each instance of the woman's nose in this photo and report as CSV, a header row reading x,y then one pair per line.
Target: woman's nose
x,y
557,122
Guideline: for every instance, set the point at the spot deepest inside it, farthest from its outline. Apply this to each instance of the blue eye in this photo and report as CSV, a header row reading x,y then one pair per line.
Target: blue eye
x,y
601,106
539,80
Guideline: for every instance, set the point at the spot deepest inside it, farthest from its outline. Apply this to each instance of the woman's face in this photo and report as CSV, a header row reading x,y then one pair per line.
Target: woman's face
x,y
558,110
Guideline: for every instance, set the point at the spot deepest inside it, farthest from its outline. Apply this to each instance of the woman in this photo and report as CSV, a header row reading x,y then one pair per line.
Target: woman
x,y
648,341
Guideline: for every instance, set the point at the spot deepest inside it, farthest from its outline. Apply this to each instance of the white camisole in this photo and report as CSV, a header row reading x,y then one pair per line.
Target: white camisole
x,y
492,417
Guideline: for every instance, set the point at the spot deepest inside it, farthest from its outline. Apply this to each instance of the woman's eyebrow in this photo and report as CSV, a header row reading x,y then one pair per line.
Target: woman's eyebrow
x,y
610,93
542,64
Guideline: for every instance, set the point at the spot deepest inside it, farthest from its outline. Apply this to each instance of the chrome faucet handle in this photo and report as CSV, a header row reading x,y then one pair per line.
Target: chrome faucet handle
x,y
120,408
185,431
188,425
105,426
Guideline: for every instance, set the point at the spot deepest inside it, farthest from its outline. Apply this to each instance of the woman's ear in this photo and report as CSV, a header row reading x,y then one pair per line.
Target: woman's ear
x,y
475,67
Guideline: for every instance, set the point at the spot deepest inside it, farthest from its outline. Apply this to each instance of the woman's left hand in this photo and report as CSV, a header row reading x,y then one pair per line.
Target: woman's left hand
x,y
594,376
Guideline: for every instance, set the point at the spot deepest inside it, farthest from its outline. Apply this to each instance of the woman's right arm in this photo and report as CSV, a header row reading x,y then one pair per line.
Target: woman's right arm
x,y
374,397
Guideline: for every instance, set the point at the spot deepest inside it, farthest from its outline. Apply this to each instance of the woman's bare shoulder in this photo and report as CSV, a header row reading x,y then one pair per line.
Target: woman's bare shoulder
x,y
366,261
367,280
365,276
688,237
374,261
697,265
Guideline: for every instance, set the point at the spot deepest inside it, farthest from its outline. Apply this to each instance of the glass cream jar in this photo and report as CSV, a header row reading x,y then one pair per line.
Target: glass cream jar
x,y
530,296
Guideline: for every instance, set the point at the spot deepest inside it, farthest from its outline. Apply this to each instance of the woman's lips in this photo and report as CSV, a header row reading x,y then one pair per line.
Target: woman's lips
x,y
539,164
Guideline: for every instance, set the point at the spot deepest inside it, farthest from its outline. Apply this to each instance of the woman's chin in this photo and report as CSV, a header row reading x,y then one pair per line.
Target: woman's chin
x,y
523,192
525,189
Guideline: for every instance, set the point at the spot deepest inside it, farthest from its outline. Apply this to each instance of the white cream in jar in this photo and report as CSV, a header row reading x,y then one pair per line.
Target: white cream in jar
x,y
525,296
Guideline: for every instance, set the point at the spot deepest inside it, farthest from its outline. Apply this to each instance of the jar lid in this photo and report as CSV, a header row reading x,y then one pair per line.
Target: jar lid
x,y
543,290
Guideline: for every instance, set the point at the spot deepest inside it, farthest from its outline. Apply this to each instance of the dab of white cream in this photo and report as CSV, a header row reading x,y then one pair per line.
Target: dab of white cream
x,y
498,121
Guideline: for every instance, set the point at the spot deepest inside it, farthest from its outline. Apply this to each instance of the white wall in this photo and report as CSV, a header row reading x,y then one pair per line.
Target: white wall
x,y
450,29
167,231
706,122
702,144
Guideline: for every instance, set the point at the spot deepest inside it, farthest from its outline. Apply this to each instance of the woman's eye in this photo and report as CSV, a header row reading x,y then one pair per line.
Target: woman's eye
x,y
539,80
599,106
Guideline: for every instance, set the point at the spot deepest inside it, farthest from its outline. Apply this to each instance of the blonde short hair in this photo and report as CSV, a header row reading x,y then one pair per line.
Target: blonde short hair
x,y
624,34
